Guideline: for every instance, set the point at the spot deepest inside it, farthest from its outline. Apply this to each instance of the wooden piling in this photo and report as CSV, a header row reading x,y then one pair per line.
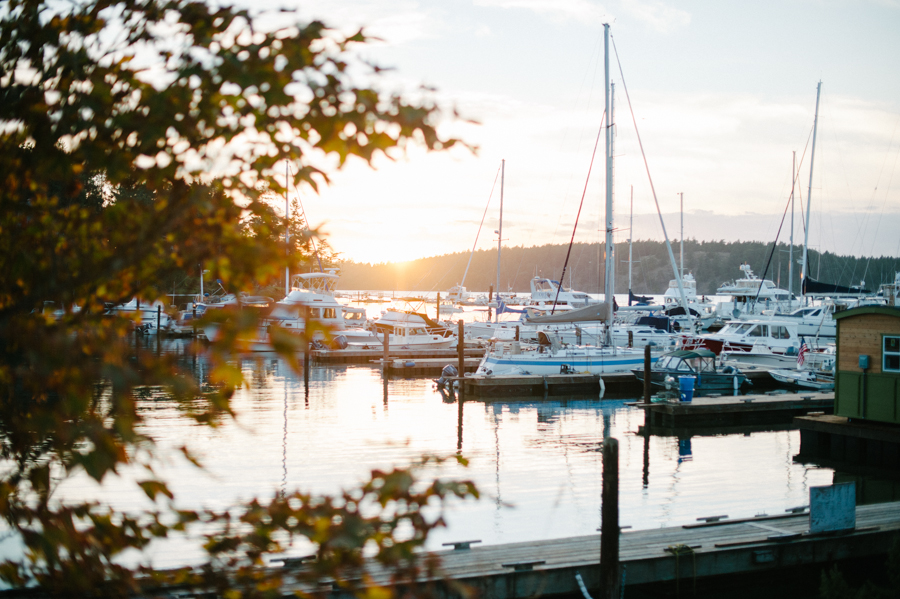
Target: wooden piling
x,y
158,318
437,316
461,350
609,522
306,340
647,373
490,299
387,348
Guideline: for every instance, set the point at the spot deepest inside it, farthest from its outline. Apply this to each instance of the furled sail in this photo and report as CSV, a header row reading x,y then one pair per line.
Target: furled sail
x,y
594,312
813,287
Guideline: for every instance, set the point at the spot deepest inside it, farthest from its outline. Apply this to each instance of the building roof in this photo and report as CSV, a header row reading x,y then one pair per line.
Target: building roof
x,y
883,310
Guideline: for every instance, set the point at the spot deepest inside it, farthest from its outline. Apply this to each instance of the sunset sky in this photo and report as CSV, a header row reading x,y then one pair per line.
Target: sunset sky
x,y
722,92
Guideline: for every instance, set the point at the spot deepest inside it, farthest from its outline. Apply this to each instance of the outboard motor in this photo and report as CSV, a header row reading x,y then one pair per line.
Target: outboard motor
x,y
448,372
339,342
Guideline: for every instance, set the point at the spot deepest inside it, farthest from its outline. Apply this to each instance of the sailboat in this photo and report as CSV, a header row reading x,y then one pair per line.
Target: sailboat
x,y
551,356
817,320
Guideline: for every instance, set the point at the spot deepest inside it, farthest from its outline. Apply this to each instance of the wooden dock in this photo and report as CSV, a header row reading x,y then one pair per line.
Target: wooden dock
x,y
740,410
704,550
365,356
673,560
856,442
619,384
431,367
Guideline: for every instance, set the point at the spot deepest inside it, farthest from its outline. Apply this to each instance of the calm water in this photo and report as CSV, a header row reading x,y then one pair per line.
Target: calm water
x,y
536,462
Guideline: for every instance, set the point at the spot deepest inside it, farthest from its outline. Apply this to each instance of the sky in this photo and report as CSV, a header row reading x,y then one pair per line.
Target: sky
x,y
722,93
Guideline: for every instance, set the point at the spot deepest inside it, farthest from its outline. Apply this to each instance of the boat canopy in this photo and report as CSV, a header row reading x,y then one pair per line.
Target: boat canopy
x,y
688,354
594,312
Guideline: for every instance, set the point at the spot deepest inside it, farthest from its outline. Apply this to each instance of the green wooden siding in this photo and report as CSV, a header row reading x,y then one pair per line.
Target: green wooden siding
x,y
882,396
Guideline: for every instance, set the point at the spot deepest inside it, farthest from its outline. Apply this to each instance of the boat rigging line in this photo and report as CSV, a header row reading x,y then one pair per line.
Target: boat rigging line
x,y
577,216
796,176
662,223
312,239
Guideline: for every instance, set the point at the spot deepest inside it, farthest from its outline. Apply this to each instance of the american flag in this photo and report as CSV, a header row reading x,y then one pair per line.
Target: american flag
x,y
801,355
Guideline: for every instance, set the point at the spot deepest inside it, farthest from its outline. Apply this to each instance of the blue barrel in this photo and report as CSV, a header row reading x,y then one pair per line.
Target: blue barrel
x,y
686,385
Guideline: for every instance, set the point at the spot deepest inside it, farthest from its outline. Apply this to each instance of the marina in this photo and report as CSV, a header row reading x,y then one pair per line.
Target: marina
x,y
689,559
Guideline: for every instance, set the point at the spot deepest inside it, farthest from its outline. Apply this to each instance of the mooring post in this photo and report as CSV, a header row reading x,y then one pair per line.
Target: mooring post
x,y
461,349
438,315
460,393
194,320
609,522
647,373
387,350
158,317
490,300
306,347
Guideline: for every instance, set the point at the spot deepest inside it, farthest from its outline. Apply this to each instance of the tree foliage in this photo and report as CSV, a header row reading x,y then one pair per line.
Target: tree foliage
x,y
137,138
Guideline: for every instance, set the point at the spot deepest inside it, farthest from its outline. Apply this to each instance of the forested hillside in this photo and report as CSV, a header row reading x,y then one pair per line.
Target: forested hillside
x,y
711,262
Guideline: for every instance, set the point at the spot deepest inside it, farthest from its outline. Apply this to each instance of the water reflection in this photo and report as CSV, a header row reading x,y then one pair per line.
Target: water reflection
x,y
538,462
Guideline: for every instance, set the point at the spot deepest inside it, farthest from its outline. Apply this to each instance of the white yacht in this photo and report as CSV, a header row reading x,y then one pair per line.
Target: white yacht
x,y
547,291
751,296
145,315
313,294
408,330
765,336
702,310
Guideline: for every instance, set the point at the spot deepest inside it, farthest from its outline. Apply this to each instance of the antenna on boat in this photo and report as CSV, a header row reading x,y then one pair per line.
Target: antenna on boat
x,y
812,157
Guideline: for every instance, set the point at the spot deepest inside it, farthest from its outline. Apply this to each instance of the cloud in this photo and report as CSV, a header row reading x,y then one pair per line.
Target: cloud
x,y
658,15
581,10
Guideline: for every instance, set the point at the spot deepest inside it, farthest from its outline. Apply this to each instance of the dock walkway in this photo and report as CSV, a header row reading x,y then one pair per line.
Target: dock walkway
x,y
705,549
624,384
682,555
741,410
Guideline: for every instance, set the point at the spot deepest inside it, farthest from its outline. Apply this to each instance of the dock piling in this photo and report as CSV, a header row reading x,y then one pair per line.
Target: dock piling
x,y
610,577
647,374
306,348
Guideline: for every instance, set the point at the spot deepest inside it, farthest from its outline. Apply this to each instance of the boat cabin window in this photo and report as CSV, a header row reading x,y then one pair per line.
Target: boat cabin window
x,y
663,363
891,354
315,313
779,332
328,313
761,330
683,366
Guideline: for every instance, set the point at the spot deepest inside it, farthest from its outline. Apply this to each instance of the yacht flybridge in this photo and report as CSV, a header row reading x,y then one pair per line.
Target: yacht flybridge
x,y
751,295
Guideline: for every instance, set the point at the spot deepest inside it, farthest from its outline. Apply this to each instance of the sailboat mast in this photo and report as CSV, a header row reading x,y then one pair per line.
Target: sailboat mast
x,y
681,195
791,251
609,225
500,235
630,240
803,269
287,229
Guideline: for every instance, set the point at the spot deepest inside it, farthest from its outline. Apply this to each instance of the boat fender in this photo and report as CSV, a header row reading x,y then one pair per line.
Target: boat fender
x,y
602,387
